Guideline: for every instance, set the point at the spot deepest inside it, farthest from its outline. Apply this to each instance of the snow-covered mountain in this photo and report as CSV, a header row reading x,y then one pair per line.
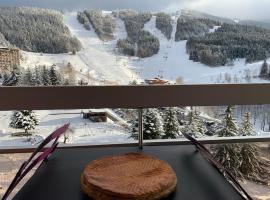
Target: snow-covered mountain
x,y
99,62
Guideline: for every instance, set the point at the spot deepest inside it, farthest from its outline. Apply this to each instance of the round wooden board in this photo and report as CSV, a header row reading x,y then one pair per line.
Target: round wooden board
x,y
130,176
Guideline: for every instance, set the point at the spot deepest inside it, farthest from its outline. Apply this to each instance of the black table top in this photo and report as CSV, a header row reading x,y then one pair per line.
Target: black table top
x,y
59,178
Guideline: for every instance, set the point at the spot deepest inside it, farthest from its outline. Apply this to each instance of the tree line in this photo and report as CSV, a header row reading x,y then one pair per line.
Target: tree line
x,y
229,42
139,42
3,41
193,27
38,76
83,19
164,24
104,25
243,161
37,30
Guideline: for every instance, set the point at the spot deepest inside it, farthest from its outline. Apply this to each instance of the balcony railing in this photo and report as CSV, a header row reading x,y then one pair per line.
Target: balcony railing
x,y
135,97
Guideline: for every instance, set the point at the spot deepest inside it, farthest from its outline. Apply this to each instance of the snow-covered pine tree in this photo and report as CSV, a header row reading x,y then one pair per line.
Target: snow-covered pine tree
x,y
229,154
24,119
264,70
250,166
28,78
247,127
37,76
171,125
71,80
193,126
152,125
45,76
55,77
201,124
229,125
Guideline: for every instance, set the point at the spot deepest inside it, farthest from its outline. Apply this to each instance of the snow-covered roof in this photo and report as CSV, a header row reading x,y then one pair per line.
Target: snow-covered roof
x,y
8,48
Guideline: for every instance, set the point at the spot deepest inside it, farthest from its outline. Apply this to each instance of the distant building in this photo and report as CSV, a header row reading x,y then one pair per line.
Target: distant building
x,y
156,81
9,57
96,116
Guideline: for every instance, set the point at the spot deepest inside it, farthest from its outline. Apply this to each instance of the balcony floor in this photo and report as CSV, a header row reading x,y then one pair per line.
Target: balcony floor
x,y
59,178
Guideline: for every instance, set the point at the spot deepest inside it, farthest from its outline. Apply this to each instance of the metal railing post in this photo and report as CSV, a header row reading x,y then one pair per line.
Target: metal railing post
x,y
140,127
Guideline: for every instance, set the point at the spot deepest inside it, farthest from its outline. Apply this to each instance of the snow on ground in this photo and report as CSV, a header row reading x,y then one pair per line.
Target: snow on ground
x,y
31,59
81,130
172,62
214,29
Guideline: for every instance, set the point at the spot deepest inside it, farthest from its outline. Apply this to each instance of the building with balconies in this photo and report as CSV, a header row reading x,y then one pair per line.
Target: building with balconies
x,y
9,57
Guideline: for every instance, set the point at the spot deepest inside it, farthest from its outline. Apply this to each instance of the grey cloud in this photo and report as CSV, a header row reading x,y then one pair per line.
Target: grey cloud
x,y
241,9
247,9
102,4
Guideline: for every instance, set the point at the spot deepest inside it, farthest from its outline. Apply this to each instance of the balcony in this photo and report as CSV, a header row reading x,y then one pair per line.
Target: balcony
x,y
197,178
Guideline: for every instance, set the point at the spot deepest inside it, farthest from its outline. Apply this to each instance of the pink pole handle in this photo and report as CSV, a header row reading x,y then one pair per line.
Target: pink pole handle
x,y
28,165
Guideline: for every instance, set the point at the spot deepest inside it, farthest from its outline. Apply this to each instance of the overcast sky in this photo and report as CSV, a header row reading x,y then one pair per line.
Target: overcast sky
x,y
243,9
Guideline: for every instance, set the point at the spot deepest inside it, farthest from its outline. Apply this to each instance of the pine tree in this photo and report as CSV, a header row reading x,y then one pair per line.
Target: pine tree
x,y
54,76
194,126
25,119
247,127
229,154
152,125
28,78
71,80
37,76
264,70
229,126
45,76
250,166
201,126
171,125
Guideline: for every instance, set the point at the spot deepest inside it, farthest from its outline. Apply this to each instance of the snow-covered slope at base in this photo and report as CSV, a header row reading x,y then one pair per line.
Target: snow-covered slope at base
x,y
97,59
31,59
173,62
81,130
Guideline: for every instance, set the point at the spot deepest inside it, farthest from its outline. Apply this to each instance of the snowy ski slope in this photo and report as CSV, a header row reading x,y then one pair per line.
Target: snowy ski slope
x,y
100,61
97,58
172,62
